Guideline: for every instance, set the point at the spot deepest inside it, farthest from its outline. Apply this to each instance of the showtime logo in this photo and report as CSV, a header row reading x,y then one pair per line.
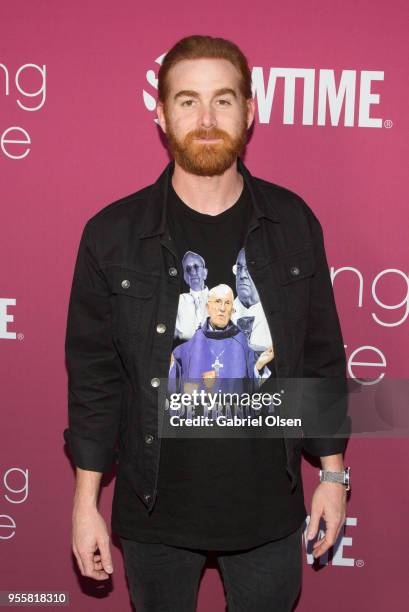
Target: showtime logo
x,y
344,99
6,318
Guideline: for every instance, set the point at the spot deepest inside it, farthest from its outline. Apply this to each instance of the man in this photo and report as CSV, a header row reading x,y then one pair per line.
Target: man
x,y
192,305
175,500
248,311
218,350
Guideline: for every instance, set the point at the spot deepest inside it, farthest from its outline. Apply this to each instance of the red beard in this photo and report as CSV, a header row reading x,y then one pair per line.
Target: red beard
x,y
207,159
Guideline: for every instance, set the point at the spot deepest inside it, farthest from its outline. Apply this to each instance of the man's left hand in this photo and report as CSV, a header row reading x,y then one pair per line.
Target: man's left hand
x,y
329,502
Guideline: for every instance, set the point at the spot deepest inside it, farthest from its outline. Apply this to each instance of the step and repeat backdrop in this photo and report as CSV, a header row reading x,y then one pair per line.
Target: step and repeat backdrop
x,y
78,84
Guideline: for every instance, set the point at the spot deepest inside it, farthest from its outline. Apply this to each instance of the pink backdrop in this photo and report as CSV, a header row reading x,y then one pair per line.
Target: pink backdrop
x,y
92,139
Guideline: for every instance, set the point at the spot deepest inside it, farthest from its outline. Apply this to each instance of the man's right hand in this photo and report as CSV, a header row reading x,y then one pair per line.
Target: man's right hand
x,y
89,533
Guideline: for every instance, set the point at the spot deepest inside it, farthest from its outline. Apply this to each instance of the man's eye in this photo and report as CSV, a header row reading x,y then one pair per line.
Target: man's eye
x,y
225,102
187,102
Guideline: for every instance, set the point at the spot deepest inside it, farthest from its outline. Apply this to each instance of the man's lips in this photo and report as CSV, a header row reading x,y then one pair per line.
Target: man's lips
x,y
208,139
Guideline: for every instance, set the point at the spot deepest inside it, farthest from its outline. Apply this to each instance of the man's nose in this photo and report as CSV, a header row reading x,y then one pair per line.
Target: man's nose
x,y
207,117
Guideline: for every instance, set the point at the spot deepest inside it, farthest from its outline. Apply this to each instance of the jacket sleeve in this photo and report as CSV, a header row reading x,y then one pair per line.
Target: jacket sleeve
x,y
95,374
325,399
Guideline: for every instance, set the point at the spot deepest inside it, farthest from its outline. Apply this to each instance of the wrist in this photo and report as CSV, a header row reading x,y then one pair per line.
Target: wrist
x,y
84,502
333,463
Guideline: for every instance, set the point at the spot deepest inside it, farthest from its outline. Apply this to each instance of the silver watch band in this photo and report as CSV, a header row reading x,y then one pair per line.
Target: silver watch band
x,y
341,477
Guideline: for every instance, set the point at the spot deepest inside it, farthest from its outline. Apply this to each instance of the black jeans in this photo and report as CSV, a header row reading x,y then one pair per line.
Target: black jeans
x,y
165,578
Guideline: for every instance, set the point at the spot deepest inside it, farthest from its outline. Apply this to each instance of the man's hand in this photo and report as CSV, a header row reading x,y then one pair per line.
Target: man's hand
x,y
89,533
265,357
328,501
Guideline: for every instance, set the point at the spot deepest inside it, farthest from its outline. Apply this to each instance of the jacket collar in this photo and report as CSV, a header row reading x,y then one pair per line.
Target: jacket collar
x,y
154,220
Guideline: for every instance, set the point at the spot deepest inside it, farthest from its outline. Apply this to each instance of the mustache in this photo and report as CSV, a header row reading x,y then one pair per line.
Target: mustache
x,y
210,134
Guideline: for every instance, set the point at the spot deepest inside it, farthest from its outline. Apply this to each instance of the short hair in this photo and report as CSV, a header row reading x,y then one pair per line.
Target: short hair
x,y
197,47
186,255
220,290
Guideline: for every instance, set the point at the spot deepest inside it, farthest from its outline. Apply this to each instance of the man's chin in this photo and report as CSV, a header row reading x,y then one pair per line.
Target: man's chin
x,y
205,159
221,324
204,168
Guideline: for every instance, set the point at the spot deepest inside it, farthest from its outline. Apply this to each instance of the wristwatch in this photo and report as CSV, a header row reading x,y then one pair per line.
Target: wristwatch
x,y
342,477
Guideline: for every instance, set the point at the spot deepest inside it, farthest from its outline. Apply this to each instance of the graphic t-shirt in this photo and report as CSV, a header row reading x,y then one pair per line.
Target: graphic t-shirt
x,y
226,493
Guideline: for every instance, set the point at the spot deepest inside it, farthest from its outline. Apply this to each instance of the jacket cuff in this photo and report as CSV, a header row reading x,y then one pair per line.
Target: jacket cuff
x,y
88,454
322,447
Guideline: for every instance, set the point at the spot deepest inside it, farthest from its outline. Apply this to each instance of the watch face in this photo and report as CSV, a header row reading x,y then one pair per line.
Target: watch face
x,y
347,478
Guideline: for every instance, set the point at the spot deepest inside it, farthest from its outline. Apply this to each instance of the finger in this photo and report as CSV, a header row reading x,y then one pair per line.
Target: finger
x,y
319,541
106,558
321,546
79,562
87,559
331,533
88,563
313,525
321,549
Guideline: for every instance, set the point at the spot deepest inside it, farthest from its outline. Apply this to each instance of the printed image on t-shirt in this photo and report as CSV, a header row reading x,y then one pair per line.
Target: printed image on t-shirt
x,y
221,331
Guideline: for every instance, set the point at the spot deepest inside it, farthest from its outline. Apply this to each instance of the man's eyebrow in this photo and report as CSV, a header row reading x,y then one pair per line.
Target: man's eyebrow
x,y
191,93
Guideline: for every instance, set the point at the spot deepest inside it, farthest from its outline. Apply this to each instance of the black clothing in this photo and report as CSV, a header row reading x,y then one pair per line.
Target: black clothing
x,y
121,321
263,578
223,493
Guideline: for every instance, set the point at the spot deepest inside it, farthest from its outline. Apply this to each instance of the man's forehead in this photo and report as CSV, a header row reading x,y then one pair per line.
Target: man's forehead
x,y
189,258
241,257
204,75
222,294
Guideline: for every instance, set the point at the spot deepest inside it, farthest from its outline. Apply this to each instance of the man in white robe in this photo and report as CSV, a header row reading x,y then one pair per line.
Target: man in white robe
x,y
248,312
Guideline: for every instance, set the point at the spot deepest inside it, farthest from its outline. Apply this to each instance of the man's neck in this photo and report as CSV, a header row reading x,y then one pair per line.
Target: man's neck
x,y
210,195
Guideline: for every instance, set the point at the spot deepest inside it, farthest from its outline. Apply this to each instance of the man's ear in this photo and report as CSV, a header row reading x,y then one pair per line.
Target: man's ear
x,y
251,111
161,115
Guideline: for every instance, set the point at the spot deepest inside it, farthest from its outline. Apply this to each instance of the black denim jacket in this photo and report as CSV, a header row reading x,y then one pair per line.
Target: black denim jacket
x,y
122,315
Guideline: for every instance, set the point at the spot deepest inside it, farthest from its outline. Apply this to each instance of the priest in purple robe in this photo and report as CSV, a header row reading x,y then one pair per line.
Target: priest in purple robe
x,y
219,353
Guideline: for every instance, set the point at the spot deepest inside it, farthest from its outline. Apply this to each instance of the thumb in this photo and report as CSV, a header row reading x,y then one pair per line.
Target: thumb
x,y
106,559
313,525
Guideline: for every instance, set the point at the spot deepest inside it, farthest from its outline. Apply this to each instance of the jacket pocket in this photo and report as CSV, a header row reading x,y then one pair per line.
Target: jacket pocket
x,y
293,273
133,299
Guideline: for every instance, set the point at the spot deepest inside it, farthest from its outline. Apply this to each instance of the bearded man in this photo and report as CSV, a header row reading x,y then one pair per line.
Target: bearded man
x,y
176,499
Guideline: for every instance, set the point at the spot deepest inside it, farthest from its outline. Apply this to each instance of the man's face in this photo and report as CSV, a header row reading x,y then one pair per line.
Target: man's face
x,y
219,308
194,272
205,116
245,287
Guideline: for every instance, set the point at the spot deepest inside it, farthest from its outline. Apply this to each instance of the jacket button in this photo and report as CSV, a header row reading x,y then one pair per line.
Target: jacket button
x,y
173,271
295,271
155,382
125,284
146,496
161,328
148,439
